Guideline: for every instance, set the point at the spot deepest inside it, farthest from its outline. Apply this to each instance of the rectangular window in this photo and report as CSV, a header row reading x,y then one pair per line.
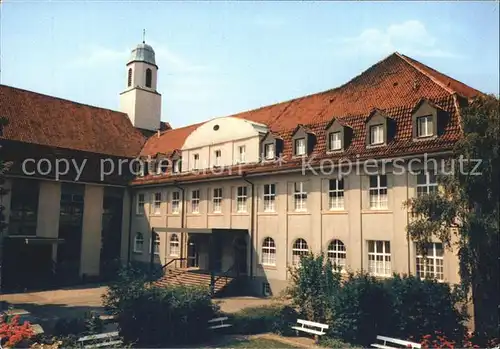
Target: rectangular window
x,y
269,151
335,140
157,203
431,266
426,183
376,134
300,197
336,194
139,209
300,146
241,199
266,289
242,155
379,258
176,166
195,201
24,207
269,197
217,200
196,161
217,160
378,192
176,196
424,126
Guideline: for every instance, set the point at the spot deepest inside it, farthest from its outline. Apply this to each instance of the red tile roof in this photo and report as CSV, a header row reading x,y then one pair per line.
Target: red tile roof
x,y
394,85
45,120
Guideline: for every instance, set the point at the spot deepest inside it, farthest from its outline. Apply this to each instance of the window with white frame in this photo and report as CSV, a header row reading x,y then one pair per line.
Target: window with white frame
x,y
269,152
175,246
379,258
378,192
300,146
139,209
241,199
157,203
268,252
335,139
377,134
242,154
156,244
299,249
432,265
217,157
426,183
196,161
336,194
163,166
269,197
195,201
337,254
176,166
299,197
217,200
176,199
138,242
425,127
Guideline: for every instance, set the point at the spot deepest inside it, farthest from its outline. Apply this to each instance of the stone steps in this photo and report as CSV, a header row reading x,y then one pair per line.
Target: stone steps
x,y
192,278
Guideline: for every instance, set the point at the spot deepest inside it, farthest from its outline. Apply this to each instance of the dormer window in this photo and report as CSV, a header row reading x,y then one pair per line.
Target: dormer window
x,y
269,151
196,161
242,154
377,134
425,126
218,156
335,141
149,77
300,146
176,165
162,166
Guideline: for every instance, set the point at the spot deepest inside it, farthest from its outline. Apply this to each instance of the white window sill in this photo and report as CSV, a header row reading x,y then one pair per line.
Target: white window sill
x,y
194,214
267,213
215,214
299,213
377,211
240,213
340,211
174,214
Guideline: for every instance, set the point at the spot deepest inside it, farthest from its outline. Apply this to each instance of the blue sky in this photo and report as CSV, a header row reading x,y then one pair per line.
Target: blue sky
x,y
218,58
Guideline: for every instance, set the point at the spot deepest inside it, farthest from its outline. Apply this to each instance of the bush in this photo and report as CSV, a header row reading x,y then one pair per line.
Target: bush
x,y
275,318
362,310
157,316
89,324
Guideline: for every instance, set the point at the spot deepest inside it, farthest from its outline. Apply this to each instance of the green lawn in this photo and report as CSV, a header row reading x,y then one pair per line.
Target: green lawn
x,y
255,343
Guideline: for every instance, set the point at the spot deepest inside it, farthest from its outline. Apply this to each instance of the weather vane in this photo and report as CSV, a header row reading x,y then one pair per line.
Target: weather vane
x,y
144,36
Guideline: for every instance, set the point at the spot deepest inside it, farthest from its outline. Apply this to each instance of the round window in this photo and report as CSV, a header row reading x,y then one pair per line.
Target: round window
x,y
216,127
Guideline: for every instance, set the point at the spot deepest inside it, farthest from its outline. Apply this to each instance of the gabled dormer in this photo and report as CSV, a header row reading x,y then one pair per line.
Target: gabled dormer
x,y
380,129
338,136
271,146
303,141
428,120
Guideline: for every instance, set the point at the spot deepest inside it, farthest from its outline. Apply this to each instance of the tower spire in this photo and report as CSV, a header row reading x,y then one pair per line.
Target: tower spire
x,y
144,36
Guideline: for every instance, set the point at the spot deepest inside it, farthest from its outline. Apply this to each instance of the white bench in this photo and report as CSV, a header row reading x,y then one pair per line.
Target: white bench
x,y
101,340
387,341
315,328
218,323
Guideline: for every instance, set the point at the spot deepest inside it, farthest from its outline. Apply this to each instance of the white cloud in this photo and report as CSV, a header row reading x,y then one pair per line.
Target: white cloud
x,y
410,37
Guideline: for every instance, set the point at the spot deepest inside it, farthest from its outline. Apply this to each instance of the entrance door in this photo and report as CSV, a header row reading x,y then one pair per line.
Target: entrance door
x,y
192,255
240,255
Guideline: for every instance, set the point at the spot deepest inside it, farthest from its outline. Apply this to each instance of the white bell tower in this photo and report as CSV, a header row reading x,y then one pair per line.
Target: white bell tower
x,y
140,100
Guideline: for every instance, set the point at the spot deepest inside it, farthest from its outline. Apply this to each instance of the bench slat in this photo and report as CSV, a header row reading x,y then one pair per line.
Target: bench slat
x,y
218,319
311,323
103,344
381,346
399,341
98,336
220,326
308,330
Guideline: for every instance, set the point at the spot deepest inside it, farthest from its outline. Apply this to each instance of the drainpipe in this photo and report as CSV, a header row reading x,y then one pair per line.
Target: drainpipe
x,y
130,215
361,218
252,223
408,221
183,214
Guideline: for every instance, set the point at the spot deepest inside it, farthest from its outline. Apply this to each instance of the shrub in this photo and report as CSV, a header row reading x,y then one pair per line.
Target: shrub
x,y
314,286
420,307
275,318
361,310
90,323
159,316
13,334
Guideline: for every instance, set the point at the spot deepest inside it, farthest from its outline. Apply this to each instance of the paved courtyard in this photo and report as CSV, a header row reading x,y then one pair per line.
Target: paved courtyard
x,y
75,302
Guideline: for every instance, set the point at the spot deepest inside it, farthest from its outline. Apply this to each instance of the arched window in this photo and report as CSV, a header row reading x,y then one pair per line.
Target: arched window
x,y
129,81
337,253
268,252
149,77
156,244
299,249
138,242
174,245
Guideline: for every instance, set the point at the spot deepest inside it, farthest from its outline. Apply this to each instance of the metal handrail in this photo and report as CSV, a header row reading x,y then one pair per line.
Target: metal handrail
x,y
163,268
224,275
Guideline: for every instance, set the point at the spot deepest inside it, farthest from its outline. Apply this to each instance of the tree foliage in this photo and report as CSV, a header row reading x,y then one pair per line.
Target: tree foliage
x,y
464,214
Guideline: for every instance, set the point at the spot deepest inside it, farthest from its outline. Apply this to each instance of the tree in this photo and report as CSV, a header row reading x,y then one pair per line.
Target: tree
x,y
464,213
